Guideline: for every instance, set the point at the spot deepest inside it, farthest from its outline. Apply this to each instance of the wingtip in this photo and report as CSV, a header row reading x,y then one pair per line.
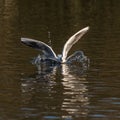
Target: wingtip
x,y
84,30
87,28
23,39
26,40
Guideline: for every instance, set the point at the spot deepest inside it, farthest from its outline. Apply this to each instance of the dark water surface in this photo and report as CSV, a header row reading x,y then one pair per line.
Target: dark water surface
x,y
65,92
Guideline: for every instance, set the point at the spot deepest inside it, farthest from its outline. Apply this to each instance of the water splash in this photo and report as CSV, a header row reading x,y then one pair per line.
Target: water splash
x,y
77,59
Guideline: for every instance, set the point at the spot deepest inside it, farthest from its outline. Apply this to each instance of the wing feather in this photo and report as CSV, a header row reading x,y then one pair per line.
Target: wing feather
x,y
71,41
47,50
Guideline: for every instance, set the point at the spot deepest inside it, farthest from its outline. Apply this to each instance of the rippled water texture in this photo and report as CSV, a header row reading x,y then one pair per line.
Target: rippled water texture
x,y
63,92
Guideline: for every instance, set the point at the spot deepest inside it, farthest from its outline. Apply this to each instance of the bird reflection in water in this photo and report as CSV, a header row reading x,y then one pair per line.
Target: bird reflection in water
x,y
59,90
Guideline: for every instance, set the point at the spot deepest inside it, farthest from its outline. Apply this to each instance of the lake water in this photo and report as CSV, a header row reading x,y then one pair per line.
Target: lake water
x,y
66,92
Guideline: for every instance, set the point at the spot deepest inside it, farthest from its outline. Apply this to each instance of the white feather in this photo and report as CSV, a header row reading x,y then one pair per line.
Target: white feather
x,y
71,41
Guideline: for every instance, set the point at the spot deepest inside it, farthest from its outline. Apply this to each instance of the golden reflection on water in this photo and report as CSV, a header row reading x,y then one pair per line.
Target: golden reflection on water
x,y
71,89
75,92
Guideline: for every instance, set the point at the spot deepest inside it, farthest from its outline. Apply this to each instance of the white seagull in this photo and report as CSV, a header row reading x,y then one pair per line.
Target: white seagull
x,y
48,52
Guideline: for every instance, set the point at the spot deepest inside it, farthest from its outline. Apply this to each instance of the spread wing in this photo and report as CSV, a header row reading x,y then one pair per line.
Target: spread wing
x,y
71,41
47,50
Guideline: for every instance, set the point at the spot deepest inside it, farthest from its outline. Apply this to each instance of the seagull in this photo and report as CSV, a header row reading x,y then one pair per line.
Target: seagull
x,y
49,54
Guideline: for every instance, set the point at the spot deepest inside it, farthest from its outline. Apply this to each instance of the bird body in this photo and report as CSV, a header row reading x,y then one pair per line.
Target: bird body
x,y
49,54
